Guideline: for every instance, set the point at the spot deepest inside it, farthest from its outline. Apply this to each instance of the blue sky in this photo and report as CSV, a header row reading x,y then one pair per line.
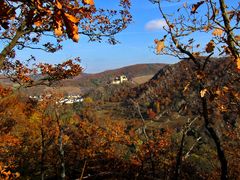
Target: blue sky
x,y
135,41
134,46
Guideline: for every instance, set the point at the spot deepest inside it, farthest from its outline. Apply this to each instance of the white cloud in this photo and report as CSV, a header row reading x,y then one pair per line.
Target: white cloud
x,y
156,24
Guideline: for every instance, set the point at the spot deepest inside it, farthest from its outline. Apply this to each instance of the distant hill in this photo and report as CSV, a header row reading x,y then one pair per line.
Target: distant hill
x,y
138,74
5,81
89,81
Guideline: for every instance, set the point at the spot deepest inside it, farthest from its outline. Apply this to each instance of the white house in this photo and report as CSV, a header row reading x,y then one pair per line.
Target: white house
x,y
71,99
119,79
65,100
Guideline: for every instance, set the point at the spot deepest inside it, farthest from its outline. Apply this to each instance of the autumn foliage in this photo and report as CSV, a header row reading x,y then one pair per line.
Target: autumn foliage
x,y
30,140
179,125
63,17
27,25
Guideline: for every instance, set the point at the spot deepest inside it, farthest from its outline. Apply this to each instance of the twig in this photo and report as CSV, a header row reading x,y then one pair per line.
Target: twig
x,y
83,169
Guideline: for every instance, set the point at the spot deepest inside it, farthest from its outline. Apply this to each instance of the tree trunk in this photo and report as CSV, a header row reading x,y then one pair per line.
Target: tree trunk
x,y
60,144
61,151
177,171
220,151
42,155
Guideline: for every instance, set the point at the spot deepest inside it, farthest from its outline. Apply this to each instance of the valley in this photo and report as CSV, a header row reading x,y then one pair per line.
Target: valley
x,y
119,90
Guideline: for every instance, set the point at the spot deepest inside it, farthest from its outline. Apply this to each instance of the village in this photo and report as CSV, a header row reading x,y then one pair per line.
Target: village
x,y
70,99
76,98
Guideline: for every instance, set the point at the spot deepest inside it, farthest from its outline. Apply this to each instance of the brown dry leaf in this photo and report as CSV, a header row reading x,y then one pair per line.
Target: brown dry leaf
x,y
210,46
171,26
196,54
71,18
196,6
226,50
75,36
206,28
238,63
225,89
217,32
237,37
203,92
58,4
160,46
231,14
17,174
90,2
186,87
38,23
218,92
237,95
72,29
215,13
58,31
38,5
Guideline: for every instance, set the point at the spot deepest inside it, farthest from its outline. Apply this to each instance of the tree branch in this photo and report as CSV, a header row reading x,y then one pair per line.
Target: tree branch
x,y
228,30
12,44
175,41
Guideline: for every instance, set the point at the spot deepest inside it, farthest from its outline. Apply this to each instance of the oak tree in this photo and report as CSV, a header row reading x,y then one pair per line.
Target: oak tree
x,y
219,22
43,25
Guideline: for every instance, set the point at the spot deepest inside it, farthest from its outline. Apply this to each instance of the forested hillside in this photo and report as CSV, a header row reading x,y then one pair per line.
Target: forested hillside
x,y
145,121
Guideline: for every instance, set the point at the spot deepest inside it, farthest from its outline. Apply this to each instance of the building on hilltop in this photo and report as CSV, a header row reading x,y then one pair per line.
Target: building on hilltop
x,y
119,79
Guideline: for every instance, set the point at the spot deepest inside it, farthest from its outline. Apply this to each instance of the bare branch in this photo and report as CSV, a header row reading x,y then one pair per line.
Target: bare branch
x,y
175,41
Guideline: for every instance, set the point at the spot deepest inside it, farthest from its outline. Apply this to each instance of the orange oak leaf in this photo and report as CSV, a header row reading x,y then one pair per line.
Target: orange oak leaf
x,y
238,63
206,28
58,4
58,30
217,32
160,46
71,26
90,2
237,37
75,36
71,18
38,23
